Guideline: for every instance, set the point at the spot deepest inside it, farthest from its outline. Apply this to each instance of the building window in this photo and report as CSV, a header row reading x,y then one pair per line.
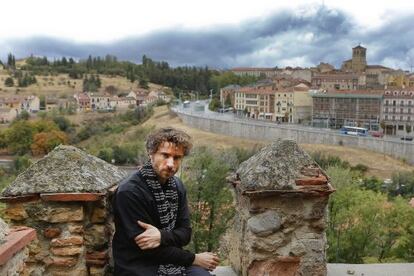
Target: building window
x,y
400,127
394,103
386,117
402,103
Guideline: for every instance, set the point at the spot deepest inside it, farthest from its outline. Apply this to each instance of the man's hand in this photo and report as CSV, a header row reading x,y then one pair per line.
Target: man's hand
x,y
150,238
206,260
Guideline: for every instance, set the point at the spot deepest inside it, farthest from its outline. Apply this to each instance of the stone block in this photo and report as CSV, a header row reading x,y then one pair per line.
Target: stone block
x,y
61,261
66,250
55,212
98,215
52,232
96,236
69,241
15,212
75,228
264,224
286,266
312,181
79,271
96,271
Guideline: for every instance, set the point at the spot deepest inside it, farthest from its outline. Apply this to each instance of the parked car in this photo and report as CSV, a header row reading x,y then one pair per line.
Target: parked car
x,y
407,138
377,134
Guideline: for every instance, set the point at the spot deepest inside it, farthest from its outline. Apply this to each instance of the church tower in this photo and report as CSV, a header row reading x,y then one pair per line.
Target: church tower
x,y
359,59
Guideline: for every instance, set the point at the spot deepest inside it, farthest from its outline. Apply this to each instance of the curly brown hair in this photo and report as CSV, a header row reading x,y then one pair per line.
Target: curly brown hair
x,y
168,134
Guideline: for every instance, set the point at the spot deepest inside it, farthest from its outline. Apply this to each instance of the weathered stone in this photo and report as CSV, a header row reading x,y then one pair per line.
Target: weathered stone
x,y
269,243
309,181
61,261
69,241
66,250
97,255
15,212
66,169
52,232
96,271
98,215
41,256
286,266
75,228
275,167
35,247
55,213
96,236
79,271
4,230
264,224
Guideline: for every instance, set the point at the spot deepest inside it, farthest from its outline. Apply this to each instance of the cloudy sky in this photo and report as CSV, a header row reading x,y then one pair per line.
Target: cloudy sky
x,y
216,33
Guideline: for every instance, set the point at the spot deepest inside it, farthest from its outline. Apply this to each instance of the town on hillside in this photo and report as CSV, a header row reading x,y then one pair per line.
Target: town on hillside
x,y
375,98
11,107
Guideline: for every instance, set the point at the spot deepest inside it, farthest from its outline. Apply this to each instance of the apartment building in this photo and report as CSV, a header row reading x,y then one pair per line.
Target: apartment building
x,y
335,109
398,112
255,102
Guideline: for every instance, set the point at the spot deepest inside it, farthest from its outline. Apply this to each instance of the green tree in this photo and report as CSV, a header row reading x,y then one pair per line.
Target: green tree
x,y
214,104
9,82
210,198
19,137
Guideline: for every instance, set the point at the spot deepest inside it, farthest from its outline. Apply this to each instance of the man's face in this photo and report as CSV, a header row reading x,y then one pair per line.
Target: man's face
x,y
167,160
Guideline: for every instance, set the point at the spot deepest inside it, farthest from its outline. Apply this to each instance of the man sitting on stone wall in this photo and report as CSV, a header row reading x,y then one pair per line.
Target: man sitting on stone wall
x,y
151,215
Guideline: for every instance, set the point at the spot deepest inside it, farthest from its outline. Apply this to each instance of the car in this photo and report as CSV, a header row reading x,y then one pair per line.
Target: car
x,y
407,138
377,134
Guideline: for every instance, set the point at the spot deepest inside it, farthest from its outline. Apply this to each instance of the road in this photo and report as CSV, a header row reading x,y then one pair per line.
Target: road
x,y
195,109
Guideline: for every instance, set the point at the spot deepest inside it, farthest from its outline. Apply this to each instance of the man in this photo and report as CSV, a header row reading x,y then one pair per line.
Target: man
x,y
152,221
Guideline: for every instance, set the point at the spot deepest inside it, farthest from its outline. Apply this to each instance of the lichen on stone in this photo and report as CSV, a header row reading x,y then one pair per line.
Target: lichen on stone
x,y
66,169
4,231
275,167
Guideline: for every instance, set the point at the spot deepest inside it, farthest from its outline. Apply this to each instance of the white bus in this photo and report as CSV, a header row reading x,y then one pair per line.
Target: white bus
x,y
357,131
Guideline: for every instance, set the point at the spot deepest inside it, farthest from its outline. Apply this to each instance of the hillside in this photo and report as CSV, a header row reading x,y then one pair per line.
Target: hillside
x,y
379,165
63,86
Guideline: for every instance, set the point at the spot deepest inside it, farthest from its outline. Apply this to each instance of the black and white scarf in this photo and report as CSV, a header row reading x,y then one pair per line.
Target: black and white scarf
x,y
167,207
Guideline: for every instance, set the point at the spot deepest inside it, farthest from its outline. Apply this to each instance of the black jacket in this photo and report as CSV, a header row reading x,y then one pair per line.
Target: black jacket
x,y
134,201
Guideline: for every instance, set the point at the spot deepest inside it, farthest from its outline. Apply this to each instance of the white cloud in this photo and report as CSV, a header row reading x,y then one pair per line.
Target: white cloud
x,y
87,21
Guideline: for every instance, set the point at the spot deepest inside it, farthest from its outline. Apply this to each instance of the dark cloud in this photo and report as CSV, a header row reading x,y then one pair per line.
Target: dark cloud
x,y
296,38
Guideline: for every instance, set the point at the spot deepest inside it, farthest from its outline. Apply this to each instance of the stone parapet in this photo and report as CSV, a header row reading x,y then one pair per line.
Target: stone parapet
x,y
14,248
279,227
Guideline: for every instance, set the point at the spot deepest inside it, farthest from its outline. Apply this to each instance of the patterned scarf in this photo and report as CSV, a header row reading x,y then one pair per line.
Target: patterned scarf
x,y
167,207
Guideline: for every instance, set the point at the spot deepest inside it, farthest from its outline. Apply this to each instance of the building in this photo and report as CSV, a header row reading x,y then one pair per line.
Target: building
x,y
54,103
398,112
228,92
99,101
293,104
83,101
122,102
337,81
358,63
335,109
31,104
255,102
254,72
7,114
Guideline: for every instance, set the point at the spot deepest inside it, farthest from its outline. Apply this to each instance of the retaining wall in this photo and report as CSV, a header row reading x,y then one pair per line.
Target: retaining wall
x,y
268,132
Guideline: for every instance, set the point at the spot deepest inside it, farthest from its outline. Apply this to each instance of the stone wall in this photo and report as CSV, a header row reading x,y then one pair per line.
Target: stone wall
x,y
14,249
73,236
281,202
